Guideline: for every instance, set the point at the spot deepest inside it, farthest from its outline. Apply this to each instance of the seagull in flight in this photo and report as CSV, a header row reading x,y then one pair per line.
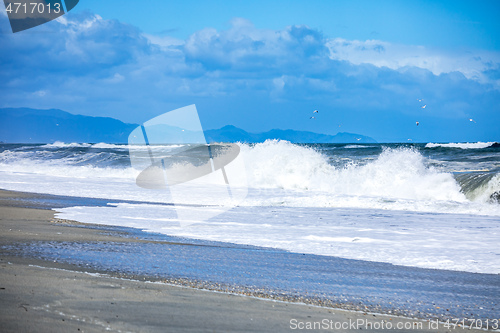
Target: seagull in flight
x,y
315,111
472,120
420,100
423,107
417,123
312,118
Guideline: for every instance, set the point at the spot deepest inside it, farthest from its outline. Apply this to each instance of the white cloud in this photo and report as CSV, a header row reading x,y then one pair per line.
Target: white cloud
x,y
395,56
77,25
62,20
245,47
164,42
279,83
40,93
116,78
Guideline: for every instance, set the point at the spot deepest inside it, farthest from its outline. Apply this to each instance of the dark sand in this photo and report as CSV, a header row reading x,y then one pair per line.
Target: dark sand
x,y
45,296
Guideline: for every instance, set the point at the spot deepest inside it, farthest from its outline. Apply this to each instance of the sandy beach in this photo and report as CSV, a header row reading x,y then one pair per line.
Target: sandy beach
x,y
44,295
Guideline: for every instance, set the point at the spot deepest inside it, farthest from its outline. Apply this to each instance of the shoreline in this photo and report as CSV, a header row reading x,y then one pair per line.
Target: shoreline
x,y
90,302
23,226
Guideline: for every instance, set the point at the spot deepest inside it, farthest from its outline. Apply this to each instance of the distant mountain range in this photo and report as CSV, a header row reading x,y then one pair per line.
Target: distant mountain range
x,y
25,125
235,134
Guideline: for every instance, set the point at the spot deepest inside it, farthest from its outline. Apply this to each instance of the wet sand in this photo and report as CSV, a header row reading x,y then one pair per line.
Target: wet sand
x,y
39,295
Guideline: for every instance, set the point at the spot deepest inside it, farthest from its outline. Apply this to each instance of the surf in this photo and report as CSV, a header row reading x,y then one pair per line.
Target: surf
x,y
395,173
394,177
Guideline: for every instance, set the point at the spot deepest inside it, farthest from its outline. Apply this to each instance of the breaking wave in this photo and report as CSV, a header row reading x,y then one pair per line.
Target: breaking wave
x,y
467,145
396,173
397,177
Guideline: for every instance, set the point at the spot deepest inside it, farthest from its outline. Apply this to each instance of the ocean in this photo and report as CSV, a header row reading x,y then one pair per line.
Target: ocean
x,y
428,205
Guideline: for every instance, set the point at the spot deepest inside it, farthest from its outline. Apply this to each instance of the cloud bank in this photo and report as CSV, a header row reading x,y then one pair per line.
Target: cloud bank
x,y
257,79
382,54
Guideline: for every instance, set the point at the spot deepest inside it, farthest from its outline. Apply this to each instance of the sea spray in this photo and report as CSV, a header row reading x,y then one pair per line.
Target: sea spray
x,y
396,173
392,177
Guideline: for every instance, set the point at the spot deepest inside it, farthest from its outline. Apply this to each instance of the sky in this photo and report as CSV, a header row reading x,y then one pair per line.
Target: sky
x,y
368,67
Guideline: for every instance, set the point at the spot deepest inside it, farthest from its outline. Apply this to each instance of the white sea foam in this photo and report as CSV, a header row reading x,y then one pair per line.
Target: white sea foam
x,y
124,146
467,145
59,144
42,165
277,173
355,146
394,208
103,145
395,174
441,241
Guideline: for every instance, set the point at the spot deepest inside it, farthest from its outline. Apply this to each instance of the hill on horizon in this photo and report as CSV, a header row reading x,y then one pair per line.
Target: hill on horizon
x,y
231,133
27,125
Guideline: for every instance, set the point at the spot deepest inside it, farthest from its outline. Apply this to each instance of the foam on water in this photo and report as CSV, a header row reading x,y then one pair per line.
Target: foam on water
x,y
398,179
467,145
279,172
441,241
396,173
355,146
67,166
395,206
101,145
59,144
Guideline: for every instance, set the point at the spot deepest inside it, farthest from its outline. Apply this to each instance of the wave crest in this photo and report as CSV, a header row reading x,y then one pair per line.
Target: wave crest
x,y
396,173
467,145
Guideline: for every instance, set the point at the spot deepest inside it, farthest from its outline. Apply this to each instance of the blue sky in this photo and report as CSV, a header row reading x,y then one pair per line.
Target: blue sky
x,y
260,65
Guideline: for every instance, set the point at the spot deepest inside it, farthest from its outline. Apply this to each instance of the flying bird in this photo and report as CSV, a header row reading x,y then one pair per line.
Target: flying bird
x,y
472,120
417,123
420,100
312,118
423,107
315,111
